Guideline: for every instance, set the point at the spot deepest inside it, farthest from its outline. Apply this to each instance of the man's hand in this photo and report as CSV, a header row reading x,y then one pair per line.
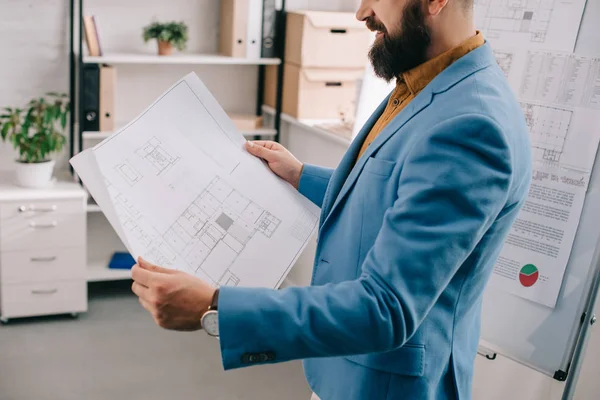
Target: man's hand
x,y
279,159
175,299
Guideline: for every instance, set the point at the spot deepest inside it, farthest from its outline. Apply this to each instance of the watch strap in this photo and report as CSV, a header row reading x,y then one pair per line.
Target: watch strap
x,y
215,301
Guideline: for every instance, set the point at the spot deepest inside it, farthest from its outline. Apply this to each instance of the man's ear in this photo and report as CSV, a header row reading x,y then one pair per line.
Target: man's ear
x,y
435,7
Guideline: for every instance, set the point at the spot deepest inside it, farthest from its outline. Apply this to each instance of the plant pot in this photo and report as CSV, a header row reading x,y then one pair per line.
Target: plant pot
x,y
34,175
164,48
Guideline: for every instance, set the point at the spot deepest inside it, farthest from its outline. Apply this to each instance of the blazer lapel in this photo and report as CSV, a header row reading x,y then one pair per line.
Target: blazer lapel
x,y
346,164
348,171
422,100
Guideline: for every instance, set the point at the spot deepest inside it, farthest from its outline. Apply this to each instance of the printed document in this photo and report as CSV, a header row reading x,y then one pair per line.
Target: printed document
x,y
560,98
181,191
530,24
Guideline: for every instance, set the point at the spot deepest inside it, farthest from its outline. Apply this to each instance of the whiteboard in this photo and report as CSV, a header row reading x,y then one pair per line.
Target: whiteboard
x,y
534,335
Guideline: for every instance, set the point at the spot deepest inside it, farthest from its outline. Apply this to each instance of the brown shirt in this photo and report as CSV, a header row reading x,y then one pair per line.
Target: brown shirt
x,y
412,82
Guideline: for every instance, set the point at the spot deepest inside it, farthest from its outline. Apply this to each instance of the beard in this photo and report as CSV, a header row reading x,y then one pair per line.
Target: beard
x,y
392,55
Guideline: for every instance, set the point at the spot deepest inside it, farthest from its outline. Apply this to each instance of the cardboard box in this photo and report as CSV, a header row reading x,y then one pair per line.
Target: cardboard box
x,y
326,40
246,122
315,93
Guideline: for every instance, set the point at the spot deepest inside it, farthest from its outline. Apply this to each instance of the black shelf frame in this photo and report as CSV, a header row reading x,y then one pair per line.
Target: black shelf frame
x,y
76,64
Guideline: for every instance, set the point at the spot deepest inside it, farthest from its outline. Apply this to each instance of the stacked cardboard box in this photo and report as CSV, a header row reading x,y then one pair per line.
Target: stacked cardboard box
x,y
325,56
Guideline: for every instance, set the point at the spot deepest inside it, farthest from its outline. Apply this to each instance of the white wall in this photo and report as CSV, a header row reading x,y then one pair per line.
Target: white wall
x,y
34,50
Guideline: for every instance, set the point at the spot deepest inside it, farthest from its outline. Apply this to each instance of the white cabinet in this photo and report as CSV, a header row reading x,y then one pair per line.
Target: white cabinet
x,y
42,250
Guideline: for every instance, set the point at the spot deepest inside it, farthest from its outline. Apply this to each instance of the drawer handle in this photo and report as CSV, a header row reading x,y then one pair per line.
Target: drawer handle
x,y
48,291
43,259
35,209
52,224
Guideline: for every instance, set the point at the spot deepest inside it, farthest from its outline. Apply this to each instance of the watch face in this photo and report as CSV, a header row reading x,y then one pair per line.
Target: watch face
x,y
210,323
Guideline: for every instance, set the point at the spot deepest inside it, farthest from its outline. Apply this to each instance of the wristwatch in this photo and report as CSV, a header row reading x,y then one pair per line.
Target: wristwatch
x,y
210,319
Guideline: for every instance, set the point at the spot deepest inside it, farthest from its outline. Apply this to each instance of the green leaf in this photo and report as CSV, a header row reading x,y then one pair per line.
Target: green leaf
x,y
4,131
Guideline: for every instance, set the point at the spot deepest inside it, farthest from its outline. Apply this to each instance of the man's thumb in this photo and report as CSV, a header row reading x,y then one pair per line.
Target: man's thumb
x,y
259,151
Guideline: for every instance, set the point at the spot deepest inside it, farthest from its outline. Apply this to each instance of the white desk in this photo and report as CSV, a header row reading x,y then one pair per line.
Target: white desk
x,y
42,250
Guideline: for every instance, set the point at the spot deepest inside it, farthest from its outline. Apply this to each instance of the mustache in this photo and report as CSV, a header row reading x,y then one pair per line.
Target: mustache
x,y
375,25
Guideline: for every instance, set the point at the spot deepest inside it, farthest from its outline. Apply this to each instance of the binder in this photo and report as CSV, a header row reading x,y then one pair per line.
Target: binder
x,y
108,80
254,33
269,29
92,38
234,28
90,106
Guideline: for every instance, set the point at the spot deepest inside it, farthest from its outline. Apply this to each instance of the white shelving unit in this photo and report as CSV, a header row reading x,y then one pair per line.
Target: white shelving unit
x,y
99,272
102,240
249,134
178,59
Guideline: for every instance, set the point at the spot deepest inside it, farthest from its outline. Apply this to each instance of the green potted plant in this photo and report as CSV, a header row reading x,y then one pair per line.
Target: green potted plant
x,y
36,132
168,35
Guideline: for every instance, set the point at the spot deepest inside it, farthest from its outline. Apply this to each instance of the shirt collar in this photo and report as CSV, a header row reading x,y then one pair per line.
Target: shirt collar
x,y
417,78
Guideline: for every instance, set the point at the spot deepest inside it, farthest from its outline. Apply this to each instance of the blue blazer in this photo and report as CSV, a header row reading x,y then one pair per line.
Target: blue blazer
x,y
409,235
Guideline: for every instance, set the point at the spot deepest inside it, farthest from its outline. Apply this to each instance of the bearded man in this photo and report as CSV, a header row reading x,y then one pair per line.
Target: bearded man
x,y
413,220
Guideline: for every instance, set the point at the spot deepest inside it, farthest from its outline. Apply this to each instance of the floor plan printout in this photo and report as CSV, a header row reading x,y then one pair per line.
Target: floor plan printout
x,y
560,97
181,191
530,24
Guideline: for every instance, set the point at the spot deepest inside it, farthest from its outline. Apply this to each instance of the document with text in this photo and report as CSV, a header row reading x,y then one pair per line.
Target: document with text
x,y
560,96
181,191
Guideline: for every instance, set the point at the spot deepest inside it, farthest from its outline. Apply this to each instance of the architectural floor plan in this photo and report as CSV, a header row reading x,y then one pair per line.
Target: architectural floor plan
x,y
548,129
529,24
216,227
522,16
195,200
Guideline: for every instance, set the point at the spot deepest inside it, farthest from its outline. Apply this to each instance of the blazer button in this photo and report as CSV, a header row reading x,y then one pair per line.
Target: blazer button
x,y
395,102
248,358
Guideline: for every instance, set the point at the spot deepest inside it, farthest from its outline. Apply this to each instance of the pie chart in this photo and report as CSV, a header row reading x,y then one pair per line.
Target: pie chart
x,y
529,275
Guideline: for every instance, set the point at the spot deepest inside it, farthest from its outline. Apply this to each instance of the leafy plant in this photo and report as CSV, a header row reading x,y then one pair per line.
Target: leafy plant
x,y
36,130
175,33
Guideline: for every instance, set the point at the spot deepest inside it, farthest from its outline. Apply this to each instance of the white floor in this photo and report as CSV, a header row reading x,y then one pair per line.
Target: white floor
x,y
116,352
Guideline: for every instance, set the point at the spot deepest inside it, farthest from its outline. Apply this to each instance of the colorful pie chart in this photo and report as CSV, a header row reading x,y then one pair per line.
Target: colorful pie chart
x,y
529,275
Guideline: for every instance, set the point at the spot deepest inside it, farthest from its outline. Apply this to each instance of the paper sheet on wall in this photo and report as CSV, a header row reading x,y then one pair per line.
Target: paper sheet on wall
x,y
530,24
560,97
180,190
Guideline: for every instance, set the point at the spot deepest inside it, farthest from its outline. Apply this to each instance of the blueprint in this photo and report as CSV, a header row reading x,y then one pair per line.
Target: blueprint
x,y
530,24
181,191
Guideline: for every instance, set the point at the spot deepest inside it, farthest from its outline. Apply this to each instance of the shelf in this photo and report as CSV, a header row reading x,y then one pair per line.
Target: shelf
x,y
309,127
256,132
93,208
96,135
196,59
261,132
99,272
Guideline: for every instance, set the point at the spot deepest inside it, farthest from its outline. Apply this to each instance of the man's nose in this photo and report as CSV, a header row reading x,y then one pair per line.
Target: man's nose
x,y
364,10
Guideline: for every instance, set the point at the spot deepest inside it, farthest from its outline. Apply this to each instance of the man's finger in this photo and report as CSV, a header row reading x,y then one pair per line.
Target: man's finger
x,y
147,306
141,275
259,150
153,268
141,291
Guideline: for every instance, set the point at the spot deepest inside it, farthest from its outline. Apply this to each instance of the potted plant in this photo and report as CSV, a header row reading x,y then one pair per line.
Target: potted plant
x,y
36,132
168,35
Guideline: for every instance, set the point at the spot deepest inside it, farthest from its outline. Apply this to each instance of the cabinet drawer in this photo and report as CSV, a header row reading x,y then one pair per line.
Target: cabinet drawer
x,y
42,265
43,225
43,298
25,209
